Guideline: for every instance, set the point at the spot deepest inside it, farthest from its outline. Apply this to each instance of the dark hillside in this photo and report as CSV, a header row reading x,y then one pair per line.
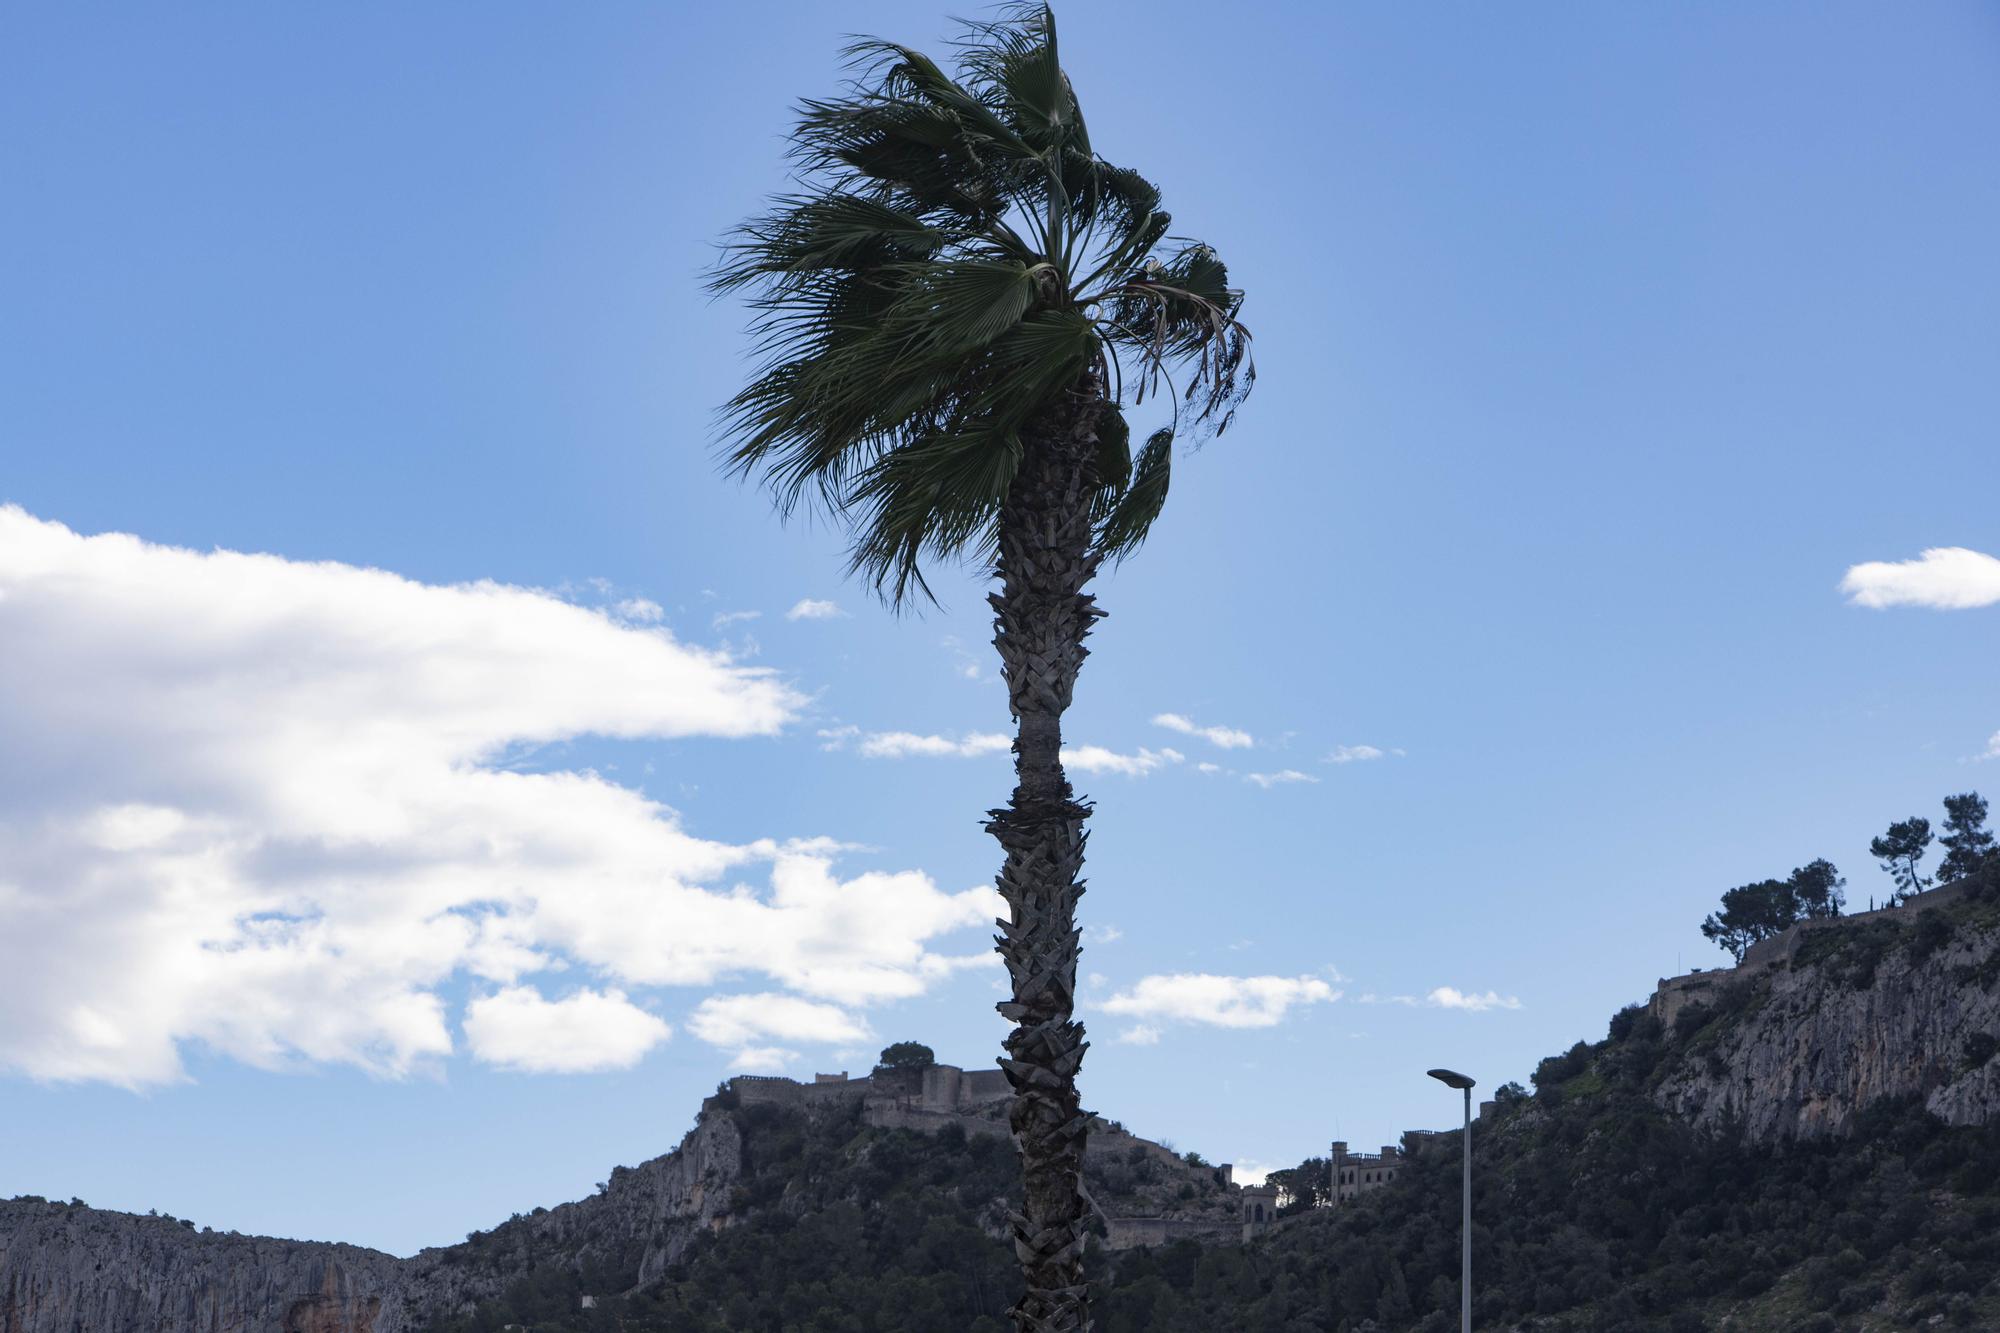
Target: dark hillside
x,y
1598,1207
1809,1143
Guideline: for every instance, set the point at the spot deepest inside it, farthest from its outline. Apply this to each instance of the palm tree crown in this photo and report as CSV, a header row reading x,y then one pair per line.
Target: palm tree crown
x,y
951,317
960,256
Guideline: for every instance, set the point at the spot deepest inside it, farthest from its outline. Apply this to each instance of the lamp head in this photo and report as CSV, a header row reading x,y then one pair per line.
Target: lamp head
x,y
1451,1079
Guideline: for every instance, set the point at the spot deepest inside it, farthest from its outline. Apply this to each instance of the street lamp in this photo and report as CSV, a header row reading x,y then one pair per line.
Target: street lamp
x,y
1464,1085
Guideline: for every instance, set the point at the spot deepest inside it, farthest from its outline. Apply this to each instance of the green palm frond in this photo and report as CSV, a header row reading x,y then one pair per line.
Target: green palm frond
x,y
956,258
1130,517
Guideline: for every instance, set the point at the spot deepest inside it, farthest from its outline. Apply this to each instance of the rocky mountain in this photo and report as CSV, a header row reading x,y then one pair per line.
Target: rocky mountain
x,y
1807,1143
67,1267
1830,1018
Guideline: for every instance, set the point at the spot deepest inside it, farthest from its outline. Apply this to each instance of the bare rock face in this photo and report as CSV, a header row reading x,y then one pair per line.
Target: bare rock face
x,y
638,1224
1887,1005
73,1269
65,1268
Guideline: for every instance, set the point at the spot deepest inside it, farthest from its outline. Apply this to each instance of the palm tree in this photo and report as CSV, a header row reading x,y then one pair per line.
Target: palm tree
x,y
951,316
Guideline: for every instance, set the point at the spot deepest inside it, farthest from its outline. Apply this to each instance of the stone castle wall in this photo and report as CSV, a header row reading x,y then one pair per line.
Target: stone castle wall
x,y
939,1090
931,1099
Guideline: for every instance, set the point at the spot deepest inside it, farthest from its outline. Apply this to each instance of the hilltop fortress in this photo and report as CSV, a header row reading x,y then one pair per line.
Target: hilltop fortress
x,y
1163,1196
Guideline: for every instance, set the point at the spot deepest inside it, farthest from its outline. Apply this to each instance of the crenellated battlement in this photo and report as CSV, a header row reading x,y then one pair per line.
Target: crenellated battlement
x,y
933,1090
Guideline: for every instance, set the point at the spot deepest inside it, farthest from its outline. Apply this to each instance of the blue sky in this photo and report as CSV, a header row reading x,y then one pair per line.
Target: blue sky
x,y
1596,346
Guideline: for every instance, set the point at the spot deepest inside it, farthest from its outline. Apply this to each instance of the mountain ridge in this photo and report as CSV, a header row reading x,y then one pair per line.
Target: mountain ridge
x,y
1815,1137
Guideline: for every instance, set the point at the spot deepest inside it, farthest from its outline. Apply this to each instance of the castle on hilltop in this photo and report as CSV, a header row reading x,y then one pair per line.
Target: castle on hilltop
x,y
930,1097
932,1090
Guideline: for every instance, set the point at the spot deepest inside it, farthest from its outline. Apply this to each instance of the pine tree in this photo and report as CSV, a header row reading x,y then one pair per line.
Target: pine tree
x,y
1966,840
1900,850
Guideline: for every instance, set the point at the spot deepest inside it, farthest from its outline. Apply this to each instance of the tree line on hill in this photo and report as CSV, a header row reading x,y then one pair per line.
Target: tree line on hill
x,y
1595,1212
1757,911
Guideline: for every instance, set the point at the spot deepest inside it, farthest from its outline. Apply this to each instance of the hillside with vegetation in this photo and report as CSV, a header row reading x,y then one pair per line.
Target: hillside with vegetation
x,y
1599,1208
1623,1191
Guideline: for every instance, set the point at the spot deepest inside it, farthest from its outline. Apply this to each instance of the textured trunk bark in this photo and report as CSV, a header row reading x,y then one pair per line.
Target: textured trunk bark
x,y
1041,618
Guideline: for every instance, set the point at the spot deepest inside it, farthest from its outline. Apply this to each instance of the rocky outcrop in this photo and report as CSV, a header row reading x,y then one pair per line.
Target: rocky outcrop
x,y
641,1221
1831,1020
66,1267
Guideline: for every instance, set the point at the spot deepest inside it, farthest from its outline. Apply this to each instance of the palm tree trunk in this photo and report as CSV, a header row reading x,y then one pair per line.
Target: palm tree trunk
x,y
1041,617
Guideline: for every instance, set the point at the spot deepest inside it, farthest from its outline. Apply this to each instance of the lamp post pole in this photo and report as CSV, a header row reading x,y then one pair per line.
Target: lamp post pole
x,y
1464,1085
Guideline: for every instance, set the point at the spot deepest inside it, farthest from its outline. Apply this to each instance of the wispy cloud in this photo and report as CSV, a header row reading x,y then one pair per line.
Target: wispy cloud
x,y
807,608
908,744
1279,778
762,1060
724,619
967,667
1248,1171
640,609
1449,997
1228,738
1219,1001
1354,754
1945,578
744,1020
1097,759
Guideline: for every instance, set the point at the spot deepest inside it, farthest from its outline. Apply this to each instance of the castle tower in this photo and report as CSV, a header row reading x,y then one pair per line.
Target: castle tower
x,y
1260,1208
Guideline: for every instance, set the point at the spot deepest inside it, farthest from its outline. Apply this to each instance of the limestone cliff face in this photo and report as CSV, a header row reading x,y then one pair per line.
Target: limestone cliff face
x,y
641,1222
1832,1019
67,1269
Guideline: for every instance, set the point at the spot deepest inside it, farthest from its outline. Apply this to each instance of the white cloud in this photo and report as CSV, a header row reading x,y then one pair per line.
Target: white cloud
x,y
1270,780
1229,1002
1143,1035
517,1028
1992,747
1104,934
743,1020
1353,754
910,744
1208,768
807,608
263,806
640,609
1408,1001
1247,1171
904,744
1097,759
1228,738
1947,578
724,619
762,1060
1447,997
